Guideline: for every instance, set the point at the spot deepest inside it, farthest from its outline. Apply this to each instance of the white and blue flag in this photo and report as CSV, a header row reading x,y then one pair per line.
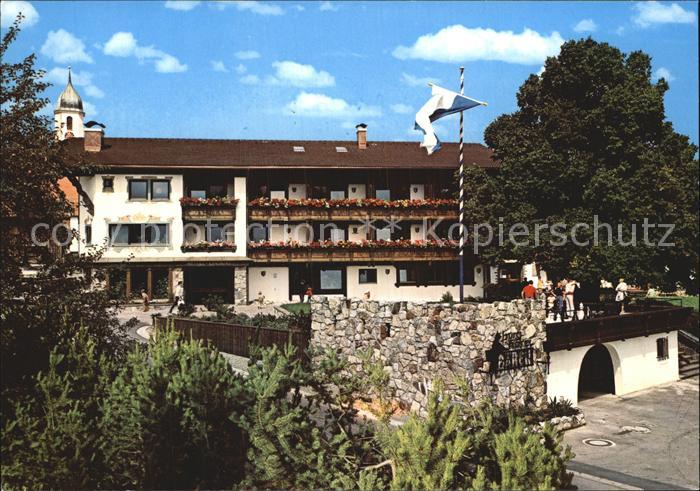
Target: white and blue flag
x,y
442,103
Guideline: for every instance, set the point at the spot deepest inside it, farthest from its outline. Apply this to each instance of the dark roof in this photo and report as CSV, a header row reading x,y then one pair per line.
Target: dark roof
x,y
190,153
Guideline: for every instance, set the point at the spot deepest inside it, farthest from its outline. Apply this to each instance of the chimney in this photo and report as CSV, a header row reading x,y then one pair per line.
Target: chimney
x,y
94,134
361,136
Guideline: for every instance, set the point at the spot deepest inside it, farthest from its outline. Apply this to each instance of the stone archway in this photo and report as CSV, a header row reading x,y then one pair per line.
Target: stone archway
x,y
597,373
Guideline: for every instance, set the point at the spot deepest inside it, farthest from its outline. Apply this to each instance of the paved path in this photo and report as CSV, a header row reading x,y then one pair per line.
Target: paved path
x,y
655,435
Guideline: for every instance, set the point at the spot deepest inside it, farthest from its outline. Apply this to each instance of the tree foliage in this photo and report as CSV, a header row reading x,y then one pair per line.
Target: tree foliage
x,y
176,416
41,309
589,139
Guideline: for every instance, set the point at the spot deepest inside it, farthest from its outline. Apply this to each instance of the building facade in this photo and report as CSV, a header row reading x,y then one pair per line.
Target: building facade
x,y
271,219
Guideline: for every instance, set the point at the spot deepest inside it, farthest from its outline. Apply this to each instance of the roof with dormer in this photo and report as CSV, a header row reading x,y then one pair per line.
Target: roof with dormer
x,y
242,154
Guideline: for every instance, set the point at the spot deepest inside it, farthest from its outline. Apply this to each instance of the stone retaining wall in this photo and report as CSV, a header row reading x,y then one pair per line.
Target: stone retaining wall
x,y
421,342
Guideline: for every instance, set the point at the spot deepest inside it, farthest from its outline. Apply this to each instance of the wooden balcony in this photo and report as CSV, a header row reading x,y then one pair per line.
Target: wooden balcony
x,y
209,208
197,213
573,334
351,210
349,255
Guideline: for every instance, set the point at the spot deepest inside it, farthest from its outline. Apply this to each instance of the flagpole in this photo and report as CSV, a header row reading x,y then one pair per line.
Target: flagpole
x,y
461,191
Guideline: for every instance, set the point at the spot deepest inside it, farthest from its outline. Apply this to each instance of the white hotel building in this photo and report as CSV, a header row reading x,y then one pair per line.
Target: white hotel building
x,y
244,218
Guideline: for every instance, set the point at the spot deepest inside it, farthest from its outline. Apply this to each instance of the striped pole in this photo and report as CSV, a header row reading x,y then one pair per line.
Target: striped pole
x,y
461,191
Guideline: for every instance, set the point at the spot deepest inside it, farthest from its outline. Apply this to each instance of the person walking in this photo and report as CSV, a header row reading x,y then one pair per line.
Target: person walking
x,y
621,295
178,297
578,301
144,297
559,303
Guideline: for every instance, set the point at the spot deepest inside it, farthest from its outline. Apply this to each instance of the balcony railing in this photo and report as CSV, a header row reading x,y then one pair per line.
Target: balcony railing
x,y
350,209
572,334
346,251
209,208
203,246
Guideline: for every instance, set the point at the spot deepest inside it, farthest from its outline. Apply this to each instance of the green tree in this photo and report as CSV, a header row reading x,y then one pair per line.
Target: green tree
x,y
589,139
38,311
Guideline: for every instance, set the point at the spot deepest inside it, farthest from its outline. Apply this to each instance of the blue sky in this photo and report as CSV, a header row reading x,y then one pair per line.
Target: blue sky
x,y
312,70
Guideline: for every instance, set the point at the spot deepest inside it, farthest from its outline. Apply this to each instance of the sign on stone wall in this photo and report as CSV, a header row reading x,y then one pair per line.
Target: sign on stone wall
x,y
421,342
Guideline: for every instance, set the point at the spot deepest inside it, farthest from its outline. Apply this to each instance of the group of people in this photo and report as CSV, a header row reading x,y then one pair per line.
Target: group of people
x,y
562,301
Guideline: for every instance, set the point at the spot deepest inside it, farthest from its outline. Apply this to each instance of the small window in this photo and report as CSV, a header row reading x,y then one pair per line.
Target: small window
x,y
662,349
384,194
384,233
331,280
278,195
337,194
138,189
407,276
258,232
198,193
216,232
368,276
88,233
160,189
69,123
217,190
341,149
298,149
337,234
138,234
107,184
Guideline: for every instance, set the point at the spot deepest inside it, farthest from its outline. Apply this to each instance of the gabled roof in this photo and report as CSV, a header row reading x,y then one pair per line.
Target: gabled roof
x,y
242,154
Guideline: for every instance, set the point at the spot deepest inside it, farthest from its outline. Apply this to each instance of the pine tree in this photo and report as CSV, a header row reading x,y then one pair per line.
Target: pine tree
x,y
430,453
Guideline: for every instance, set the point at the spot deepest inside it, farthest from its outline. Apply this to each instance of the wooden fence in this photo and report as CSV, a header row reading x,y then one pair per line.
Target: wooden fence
x,y
572,334
235,338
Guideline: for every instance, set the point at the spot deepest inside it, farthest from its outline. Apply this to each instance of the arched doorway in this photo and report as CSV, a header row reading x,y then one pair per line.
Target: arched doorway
x,y
597,375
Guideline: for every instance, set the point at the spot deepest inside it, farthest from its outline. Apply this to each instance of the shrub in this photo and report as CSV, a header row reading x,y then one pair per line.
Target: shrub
x,y
447,298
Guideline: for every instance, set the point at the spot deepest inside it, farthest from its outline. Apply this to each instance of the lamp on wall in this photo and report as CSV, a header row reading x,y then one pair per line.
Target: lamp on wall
x,y
263,273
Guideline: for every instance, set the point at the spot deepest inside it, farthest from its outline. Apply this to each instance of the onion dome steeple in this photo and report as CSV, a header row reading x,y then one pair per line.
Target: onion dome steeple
x,y
69,98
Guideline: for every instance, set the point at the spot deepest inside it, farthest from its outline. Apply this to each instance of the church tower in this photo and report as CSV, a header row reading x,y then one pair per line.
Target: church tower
x,y
69,113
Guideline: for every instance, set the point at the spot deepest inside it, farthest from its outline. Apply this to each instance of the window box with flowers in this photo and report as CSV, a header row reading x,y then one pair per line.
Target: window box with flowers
x,y
350,209
217,208
215,246
392,250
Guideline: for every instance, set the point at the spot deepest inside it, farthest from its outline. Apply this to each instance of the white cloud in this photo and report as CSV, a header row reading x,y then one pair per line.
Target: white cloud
x,y
649,13
414,81
218,66
247,54
90,109
183,5
664,73
540,71
401,108
124,44
59,77
120,44
328,7
620,31
299,75
169,64
260,8
457,44
299,8
250,80
241,69
63,47
10,9
585,25
322,106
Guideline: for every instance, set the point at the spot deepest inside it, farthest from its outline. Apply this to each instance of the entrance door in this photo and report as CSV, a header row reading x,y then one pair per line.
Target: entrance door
x,y
201,282
597,376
